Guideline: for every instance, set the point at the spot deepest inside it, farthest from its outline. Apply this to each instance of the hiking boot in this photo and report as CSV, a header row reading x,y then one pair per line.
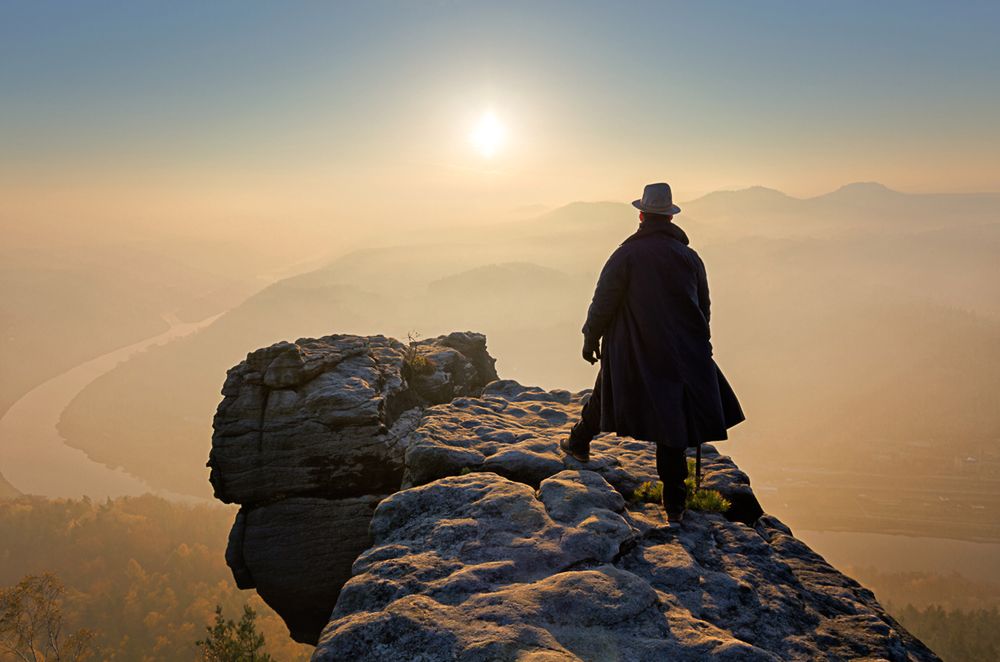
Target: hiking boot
x,y
675,517
579,453
675,514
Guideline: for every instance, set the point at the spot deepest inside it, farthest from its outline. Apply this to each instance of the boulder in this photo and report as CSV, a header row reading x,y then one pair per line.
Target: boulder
x,y
308,438
303,543
325,416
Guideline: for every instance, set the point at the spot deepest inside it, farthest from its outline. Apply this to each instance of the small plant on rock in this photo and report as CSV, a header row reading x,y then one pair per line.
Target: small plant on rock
x,y
416,363
650,491
709,501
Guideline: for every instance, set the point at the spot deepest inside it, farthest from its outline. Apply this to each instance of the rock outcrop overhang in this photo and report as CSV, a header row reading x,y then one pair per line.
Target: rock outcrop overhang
x,y
399,502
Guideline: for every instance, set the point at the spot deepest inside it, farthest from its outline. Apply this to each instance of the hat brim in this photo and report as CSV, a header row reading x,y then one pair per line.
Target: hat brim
x,y
669,211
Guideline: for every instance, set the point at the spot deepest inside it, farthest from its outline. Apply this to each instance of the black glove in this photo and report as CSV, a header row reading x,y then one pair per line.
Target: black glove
x,y
591,350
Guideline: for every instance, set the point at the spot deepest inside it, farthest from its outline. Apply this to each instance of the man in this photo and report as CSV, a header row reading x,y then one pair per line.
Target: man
x,y
648,324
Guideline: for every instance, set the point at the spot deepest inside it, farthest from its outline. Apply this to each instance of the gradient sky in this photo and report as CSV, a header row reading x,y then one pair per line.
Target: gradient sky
x,y
316,108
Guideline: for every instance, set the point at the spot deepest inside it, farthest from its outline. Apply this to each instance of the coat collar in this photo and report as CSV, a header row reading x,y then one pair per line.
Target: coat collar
x,y
668,228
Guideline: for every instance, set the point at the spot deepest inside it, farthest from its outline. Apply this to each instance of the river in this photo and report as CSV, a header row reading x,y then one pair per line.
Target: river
x,y
34,457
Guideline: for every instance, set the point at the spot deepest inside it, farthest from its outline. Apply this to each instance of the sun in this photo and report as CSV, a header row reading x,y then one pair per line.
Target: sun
x,y
488,135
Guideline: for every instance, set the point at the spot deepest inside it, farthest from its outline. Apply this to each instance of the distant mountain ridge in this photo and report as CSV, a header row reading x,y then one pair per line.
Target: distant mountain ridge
x,y
852,210
760,210
849,190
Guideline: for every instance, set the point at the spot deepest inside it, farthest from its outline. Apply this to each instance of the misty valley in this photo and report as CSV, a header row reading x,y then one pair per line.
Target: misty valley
x,y
868,371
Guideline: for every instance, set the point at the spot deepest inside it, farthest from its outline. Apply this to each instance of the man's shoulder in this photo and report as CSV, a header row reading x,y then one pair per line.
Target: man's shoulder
x,y
665,252
656,243
693,253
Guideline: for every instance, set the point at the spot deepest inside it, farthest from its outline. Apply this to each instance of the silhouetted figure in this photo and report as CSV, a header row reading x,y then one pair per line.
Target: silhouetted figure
x,y
648,324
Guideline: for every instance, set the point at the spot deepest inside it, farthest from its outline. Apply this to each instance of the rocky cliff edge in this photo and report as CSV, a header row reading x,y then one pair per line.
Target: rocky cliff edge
x,y
400,502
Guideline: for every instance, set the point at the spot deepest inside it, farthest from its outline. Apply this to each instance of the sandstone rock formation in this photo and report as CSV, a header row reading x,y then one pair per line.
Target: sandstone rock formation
x,y
308,439
476,539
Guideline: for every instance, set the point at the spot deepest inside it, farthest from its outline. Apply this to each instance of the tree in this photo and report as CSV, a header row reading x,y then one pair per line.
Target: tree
x,y
233,642
31,623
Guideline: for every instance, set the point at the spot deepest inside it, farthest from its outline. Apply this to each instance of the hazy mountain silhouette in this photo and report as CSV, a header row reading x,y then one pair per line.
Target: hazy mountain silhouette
x,y
758,198
496,278
858,209
860,193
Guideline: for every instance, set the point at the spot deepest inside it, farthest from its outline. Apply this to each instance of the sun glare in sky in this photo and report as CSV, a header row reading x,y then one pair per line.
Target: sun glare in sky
x,y
488,134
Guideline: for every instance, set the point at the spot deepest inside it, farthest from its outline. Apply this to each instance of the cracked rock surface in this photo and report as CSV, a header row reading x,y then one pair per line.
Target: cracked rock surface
x,y
514,431
468,535
480,567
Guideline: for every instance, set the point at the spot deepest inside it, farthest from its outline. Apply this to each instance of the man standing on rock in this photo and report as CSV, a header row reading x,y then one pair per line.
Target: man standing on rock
x,y
648,325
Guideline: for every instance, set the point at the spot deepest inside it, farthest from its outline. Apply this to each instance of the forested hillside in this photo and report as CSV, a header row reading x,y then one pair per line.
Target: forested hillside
x,y
144,573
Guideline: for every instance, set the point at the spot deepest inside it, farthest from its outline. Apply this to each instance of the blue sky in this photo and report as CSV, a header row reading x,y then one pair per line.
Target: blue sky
x,y
800,96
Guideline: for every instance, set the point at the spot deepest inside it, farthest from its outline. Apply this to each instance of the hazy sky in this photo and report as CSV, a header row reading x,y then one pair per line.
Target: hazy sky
x,y
188,108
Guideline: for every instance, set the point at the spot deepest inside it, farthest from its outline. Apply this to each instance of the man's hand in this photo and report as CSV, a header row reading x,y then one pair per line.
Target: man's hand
x,y
591,350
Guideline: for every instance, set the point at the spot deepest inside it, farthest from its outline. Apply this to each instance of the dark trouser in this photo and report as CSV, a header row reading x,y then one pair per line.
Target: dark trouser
x,y
671,463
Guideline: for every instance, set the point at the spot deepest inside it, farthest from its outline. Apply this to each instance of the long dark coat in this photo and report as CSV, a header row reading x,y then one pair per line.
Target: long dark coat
x,y
651,310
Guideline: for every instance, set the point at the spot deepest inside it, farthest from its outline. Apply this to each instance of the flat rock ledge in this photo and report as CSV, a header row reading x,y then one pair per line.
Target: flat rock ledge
x,y
484,542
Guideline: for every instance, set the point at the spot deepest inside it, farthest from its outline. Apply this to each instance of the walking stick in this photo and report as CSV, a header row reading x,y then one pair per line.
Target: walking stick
x,y
697,468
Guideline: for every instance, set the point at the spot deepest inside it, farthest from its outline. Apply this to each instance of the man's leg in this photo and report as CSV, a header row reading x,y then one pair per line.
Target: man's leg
x,y
589,425
671,464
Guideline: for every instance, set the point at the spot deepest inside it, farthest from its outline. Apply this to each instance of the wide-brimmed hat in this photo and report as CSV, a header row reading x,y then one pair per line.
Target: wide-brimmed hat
x,y
657,199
